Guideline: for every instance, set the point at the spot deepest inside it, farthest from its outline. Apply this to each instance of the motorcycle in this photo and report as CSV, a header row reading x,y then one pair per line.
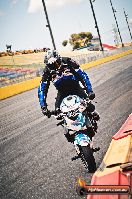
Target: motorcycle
x,y
78,117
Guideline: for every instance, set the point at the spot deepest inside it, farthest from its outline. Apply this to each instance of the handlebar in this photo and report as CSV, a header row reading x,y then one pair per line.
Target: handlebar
x,y
58,113
58,116
53,112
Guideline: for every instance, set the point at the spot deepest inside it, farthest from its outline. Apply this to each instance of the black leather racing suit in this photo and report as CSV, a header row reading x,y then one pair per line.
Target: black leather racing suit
x,y
66,80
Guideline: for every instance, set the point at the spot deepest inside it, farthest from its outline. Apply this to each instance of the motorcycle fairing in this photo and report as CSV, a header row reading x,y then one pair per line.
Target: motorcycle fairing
x,y
69,103
82,140
76,124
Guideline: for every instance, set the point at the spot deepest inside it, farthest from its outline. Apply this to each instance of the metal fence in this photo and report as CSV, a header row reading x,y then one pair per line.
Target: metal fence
x,y
88,57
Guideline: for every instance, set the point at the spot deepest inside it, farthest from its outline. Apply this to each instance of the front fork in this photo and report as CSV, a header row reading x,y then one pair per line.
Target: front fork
x,y
79,141
82,140
77,147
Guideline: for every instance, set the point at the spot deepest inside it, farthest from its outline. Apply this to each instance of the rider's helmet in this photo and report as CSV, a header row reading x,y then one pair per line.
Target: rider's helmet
x,y
52,59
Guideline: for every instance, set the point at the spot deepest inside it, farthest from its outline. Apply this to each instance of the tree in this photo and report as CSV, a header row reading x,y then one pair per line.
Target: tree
x,y
76,45
64,43
79,40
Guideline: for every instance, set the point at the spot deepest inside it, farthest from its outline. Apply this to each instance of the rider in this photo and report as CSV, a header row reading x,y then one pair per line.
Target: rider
x,y
65,74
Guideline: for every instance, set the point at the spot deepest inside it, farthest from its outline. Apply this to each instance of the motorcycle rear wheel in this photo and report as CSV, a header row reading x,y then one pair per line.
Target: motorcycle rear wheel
x,y
88,158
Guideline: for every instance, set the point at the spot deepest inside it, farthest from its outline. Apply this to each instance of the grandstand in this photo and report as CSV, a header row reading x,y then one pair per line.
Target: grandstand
x,y
13,75
20,67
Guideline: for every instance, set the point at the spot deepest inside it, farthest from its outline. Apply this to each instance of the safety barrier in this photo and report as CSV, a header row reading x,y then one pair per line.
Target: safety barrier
x,y
105,59
14,89
89,56
116,168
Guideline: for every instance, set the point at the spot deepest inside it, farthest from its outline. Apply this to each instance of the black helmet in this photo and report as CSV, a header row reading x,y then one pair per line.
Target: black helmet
x,y
53,60
51,53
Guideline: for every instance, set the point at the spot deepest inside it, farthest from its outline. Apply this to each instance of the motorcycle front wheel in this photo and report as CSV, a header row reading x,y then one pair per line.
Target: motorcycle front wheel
x,y
88,158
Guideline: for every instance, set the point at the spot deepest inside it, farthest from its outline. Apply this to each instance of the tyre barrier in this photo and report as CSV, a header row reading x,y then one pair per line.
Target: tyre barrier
x,y
116,167
8,91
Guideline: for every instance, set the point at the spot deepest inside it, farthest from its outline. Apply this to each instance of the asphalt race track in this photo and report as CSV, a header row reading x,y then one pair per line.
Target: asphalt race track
x,y
35,158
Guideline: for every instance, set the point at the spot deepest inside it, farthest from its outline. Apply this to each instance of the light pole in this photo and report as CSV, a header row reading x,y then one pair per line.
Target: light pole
x,y
116,23
48,24
96,25
126,16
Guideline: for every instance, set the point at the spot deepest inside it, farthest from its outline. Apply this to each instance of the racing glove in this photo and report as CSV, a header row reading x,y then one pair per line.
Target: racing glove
x,y
91,95
57,112
45,111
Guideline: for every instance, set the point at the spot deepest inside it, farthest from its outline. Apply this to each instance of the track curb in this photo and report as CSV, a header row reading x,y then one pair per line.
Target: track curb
x,y
17,88
118,155
20,87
